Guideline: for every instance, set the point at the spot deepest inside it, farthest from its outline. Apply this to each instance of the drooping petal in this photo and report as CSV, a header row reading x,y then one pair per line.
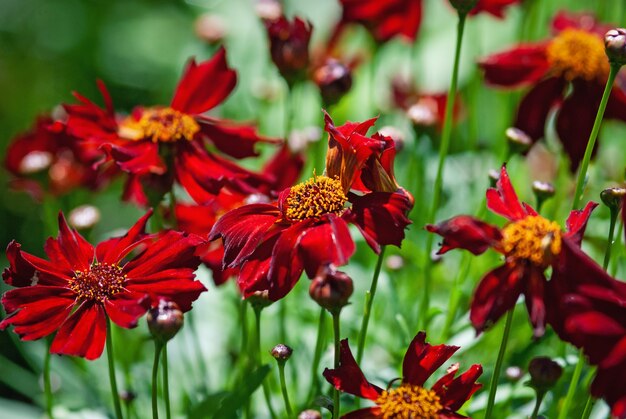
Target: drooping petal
x,y
236,140
577,222
204,86
286,263
83,333
466,232
493,7
125,308
25,269
534,297
139,157
455,393
535,106
524,64
349,378
115,249
422,359
503,200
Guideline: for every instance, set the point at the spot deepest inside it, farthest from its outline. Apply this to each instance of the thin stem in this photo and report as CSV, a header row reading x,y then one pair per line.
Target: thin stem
x,y
540,395
166,383
591,402
283,388
47,388
609,245
111,359
204,370
158,346
336,400
317,356
571,391
496,371
369,300
582,174
266,388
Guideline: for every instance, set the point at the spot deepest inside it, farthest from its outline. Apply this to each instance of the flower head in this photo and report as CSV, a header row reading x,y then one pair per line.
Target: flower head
x,y
80,286
410,398
289,46
529,242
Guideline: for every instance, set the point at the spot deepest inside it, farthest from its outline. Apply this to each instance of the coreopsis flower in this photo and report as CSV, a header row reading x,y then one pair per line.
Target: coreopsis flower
x,y
307,228
289,46
410,399
158,144
530,244
75,291
574,57
590,312
46,160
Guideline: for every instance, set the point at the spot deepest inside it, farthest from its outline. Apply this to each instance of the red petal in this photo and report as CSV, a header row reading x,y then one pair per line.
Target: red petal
x,y
466,232
133,191
25,269
205,85
114,250
283,170
577,222
617,355
237,141
365,413
503,200
73,247
524,64
83,333
534,297
535,106
286,263
493,7
454,394
422,359
349,378
139,157
125,308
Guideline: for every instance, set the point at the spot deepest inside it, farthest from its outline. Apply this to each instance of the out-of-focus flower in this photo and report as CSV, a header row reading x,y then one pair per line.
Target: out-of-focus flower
x,y
84,216
289,46
158,144
529,243
80,286
410,398
493,7
210,28
544,373
574,57
334,80
272,244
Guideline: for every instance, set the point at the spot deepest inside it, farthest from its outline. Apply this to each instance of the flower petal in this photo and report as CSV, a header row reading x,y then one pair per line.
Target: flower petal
x,y
422,359
577,222
25,269
115,249
466,232
454,394
521,65
83,333
73,247
503,200
535,106
534,298
236,140
125,308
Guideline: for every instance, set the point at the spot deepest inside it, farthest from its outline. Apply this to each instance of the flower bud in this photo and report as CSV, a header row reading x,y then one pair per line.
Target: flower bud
x,y
210,28
543,191
84,216
310,414
289,46
463,6
268,10
165,320
334,80
494,176
281,352
615,45
519,141
395,134
260,299
331,289
128,396
513,373
544,373
613,197
395,262
424,112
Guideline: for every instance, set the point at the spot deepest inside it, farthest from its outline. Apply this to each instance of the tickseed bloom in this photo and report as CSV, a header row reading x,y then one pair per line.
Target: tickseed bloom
x,y
75,291
158,144
574,57
410,399
289,46
590,312
530,244
273,243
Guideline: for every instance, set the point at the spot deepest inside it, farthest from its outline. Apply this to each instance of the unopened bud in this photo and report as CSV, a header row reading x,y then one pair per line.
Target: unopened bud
x,y
331,289
544,373
289,46
613,197
334,80
128,396
543,191
463,6
395,262
519,141
268,10
84,216
395,134
513,373
615,45
210,28
165,320
494,176
310,414
281,352
260,299
424,112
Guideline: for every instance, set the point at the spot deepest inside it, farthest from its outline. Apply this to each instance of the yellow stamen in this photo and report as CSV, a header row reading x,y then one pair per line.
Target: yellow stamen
x,y
160,125
578,54
534,239
317,196
99,282
409,402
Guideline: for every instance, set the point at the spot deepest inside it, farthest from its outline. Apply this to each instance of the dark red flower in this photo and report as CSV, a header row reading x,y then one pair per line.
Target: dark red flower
x,y
573,57
272,244
493,7
289,46
80,286
158,144
590,312
411,398
529,243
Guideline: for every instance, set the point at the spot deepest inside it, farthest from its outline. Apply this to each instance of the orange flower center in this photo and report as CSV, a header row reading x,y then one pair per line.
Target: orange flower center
x,y
409,402
317,196
534,239
99,282
160,125
578,54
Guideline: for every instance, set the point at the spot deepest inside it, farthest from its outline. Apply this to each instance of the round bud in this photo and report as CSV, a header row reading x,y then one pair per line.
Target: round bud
x,y
334,80
494,176
424,112
260,299
395,262
519,141
165,320
615,45
310,414
543,191
84,216
463,6
281,352
210,28
128,396
513,373
331,289
544,373
613,197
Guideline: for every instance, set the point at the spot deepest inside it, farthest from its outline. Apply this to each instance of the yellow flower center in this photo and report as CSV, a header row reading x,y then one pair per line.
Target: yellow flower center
x,y
578,54
99,282
160,125
534,239
317,196
409,402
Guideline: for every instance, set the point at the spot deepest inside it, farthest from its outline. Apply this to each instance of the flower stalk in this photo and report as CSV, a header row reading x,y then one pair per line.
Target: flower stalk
x,y
493,386
158,347
111,361
369,301
46,382
266,389
336,333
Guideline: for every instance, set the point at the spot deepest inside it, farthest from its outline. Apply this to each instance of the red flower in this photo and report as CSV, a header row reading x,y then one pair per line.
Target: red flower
x,y
410,399
573,57
272,244
590,312
80,286
156,144
493,7
289,46
529,243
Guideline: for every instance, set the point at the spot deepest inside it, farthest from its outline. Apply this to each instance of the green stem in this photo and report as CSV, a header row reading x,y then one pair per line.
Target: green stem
x,y
266,388
336,333
204,370
496,371
571,391
369,300
446,134
111,360
540,395
283,388
582,174
46,382
166,383
591,401
614,264
317,356
158,346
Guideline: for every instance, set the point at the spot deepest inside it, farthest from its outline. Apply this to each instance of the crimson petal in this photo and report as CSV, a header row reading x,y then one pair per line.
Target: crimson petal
x,y
125,308
466,232
115,249
459,390
422,359
83,333
577,222
503,200
524,64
